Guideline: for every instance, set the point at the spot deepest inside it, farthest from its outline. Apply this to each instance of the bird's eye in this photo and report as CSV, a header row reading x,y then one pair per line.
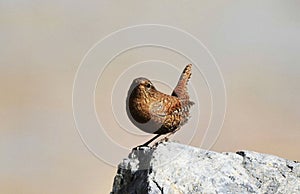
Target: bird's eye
x,y
148,85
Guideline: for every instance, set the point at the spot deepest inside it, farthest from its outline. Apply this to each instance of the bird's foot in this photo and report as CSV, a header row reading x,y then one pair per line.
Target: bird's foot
x,y
163,140
141,147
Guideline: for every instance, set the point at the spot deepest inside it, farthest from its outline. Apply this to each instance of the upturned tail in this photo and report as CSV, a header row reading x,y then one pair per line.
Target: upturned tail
x,y
181,90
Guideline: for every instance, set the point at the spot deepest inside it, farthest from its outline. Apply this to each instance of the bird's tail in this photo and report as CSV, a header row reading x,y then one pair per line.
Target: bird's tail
x,y
180,90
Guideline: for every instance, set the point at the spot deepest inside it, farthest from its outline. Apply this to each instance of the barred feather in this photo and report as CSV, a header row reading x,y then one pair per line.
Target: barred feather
x,y
180,90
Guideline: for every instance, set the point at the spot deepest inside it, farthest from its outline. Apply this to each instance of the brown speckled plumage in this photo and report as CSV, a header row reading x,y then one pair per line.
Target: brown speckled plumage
x,y
155,112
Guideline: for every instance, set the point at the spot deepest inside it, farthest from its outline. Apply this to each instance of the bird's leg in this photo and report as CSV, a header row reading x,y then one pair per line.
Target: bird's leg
x,y
166,138
152,139
148,142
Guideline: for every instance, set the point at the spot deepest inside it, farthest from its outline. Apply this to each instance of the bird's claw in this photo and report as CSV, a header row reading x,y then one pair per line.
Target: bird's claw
x,y
140,147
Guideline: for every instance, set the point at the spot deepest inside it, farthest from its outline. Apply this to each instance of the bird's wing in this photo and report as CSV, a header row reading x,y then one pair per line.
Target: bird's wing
x,y
157,109
167,105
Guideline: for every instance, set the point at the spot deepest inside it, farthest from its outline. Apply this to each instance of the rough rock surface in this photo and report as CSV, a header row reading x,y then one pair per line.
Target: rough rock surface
x,y
177,168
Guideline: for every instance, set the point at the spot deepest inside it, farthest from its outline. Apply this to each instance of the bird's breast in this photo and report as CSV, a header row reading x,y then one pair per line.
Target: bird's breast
x,y
139,108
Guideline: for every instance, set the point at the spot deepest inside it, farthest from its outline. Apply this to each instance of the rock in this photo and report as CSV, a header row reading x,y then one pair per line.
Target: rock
x,y
176,168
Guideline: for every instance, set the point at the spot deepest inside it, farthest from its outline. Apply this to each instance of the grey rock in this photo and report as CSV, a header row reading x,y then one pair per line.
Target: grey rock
x,y
176,168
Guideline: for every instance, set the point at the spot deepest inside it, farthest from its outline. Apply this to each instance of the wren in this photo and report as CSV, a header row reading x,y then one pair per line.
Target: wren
x,y
155,112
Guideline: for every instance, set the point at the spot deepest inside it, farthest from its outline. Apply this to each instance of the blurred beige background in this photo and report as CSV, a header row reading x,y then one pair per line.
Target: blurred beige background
x,y
256,44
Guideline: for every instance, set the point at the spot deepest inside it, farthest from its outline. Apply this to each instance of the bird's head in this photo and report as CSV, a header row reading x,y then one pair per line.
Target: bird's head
x,y
142,84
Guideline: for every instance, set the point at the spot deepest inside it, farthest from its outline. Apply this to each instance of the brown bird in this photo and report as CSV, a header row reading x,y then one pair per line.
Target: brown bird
x,y
155,112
